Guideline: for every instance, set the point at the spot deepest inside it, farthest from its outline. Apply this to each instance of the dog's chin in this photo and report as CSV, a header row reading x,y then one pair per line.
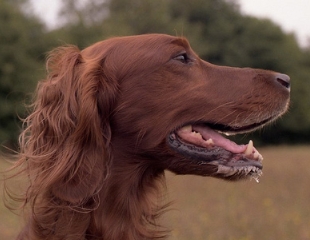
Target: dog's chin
x,y
209,153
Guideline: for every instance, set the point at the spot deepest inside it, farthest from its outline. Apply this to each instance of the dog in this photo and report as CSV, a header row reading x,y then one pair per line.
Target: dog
x,y
109,120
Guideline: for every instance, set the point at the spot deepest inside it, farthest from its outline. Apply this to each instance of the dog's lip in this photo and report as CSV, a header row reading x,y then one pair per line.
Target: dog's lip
x,y
200,137
203,146
214,131
232,130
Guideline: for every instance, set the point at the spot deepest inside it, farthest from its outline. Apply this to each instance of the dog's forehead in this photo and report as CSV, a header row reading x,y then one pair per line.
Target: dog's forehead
x,y
154,41
181,42
160,44
164,41
147,44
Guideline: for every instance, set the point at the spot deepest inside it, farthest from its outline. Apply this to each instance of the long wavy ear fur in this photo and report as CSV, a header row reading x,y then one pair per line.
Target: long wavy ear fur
x,y
65,142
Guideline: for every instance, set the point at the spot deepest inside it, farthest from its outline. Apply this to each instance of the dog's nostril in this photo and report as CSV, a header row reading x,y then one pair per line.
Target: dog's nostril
x,y
284,80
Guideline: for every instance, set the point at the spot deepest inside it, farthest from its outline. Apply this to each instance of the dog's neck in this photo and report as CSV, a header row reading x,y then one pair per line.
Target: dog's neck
x,y
129,202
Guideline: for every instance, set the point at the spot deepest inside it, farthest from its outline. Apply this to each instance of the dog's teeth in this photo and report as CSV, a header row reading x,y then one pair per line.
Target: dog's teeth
x,y
249,149
256,155
196,134
210,141
187,129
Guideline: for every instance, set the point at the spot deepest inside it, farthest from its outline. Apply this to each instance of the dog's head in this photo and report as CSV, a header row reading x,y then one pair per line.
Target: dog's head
x,y
171,106
148,99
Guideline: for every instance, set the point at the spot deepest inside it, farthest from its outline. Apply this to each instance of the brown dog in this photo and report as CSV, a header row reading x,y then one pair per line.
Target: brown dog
x,y
108,121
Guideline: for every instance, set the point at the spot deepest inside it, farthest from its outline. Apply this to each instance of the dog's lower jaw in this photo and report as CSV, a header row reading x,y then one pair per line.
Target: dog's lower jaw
x,y
185,167
214,161
238,173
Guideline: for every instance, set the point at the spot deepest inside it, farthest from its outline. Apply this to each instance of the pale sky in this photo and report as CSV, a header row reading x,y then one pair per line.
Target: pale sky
x,y
291,15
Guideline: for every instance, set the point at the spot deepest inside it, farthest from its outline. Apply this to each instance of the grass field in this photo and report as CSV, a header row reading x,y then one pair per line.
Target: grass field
x,y
210,209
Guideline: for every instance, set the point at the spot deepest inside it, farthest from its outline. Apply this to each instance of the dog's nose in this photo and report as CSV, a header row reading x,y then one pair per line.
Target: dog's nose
x,y
284,80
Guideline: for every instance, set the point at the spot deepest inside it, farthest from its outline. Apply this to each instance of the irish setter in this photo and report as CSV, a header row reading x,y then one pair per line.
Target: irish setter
x,y
109,120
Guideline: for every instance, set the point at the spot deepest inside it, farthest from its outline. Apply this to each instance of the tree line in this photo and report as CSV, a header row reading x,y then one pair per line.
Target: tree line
x,y
216,29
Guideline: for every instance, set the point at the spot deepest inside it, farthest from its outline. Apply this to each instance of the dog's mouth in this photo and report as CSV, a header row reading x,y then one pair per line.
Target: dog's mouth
x,y
205,145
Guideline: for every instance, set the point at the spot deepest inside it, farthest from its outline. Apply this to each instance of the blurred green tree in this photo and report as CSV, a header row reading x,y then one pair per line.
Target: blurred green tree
x,y
217,30
22,51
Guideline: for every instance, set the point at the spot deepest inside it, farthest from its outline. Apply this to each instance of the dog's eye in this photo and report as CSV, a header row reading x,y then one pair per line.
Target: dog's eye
x,y
182,58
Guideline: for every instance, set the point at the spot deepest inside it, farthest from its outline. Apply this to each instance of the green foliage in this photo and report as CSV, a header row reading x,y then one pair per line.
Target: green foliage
x,y
141,16
217,30
21,56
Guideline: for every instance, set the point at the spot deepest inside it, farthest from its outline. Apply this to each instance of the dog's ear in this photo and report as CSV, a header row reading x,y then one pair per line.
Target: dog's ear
x,y
68,134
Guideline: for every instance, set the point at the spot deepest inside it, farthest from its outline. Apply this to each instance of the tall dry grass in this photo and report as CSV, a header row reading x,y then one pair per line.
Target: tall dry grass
x,y
210,209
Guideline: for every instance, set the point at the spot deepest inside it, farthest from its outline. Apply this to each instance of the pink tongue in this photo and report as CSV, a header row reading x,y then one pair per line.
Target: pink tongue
x,y
219,140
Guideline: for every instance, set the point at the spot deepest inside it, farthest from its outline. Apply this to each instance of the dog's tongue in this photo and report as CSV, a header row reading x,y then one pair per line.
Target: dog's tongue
x,y
206,137
219,140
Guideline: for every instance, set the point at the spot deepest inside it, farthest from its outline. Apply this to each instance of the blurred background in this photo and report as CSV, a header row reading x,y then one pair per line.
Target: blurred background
x,y
247,33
